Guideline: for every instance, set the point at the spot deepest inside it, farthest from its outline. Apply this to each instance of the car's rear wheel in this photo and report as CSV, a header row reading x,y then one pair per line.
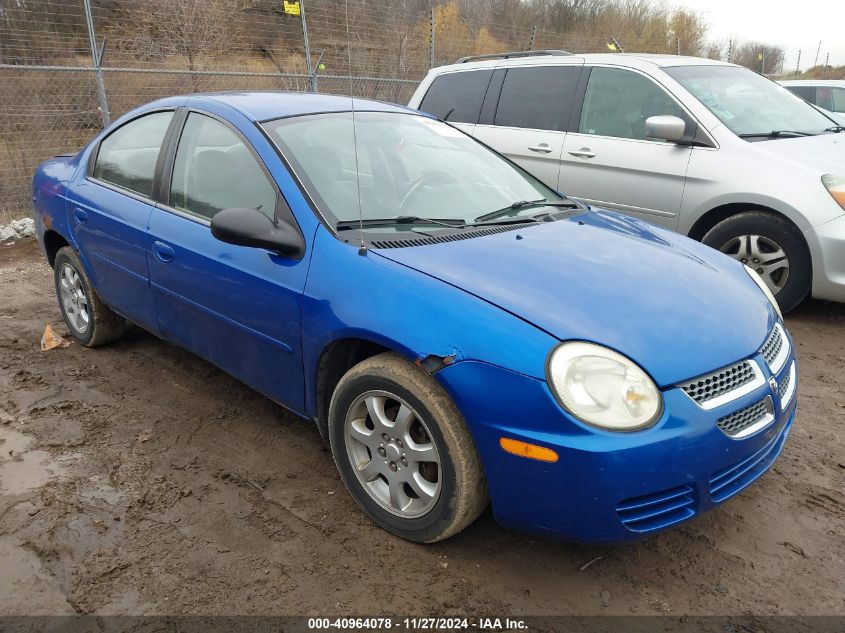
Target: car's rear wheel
x,y
403,450
90,321
773,247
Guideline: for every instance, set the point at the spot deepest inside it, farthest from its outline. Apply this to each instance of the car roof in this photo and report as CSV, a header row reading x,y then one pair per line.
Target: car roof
x,y
633,60
812,82
262,106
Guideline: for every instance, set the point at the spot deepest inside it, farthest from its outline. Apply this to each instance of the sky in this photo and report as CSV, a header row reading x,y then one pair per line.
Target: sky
x,y
793,25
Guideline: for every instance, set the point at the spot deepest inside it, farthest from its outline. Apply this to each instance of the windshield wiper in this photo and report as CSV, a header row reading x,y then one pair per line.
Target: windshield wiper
x,y
775,134
835,128
452,223
524,204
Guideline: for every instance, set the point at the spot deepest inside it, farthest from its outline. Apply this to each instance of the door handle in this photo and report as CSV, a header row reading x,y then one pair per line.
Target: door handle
x,y
163,252
584,152
542,148
80,215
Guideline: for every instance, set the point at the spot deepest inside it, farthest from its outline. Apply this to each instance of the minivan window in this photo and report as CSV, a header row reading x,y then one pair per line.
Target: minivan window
x,y
214,170
618,102
830,98
457,97
537,97
748,103
127,157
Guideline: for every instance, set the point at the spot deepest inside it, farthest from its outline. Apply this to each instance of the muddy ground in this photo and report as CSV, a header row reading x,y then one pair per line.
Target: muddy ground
x,y
137,478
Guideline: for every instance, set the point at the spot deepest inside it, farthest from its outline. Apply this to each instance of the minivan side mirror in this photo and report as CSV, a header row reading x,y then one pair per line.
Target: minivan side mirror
x,y
665,127
250,227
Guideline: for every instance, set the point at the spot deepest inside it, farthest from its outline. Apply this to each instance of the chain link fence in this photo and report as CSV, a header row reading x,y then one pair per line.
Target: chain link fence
x,y
68,67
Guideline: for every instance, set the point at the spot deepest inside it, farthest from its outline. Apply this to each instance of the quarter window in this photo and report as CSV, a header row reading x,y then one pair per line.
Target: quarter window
x,y
214,170
537,97
127,157
457,97
618,102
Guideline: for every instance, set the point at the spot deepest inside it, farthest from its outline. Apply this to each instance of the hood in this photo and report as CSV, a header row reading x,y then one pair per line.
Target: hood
x,y
676,307
825,152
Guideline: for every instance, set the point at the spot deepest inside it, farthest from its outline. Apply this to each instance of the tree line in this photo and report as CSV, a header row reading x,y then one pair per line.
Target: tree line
x,y
387,37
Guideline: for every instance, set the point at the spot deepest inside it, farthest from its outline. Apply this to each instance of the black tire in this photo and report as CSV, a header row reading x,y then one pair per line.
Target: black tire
x,y
463,489
779,231
103,325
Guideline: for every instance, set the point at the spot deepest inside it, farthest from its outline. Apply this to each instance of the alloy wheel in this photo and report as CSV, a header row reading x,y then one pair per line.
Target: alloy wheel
x,y
74,299
393,454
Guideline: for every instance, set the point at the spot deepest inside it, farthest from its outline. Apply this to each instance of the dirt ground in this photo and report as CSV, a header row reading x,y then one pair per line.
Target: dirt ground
x,y
139,479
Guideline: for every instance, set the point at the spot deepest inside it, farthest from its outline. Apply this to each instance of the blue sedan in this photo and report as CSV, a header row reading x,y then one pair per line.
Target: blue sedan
x,y
460,334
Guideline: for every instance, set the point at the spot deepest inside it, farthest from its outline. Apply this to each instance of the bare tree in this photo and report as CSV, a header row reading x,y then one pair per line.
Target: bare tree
x,y
760,57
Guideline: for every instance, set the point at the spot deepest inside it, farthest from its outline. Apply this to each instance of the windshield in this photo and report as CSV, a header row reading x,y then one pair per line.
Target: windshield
x,y
748,103
408,165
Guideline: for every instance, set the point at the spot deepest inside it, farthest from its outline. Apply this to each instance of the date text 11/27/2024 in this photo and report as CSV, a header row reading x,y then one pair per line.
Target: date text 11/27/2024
x,y
418,624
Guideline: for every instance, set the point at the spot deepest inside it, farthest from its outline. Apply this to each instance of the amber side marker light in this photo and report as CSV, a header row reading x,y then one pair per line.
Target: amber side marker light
x,y
524,449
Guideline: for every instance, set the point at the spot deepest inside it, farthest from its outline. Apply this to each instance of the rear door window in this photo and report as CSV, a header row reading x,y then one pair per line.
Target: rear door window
x,y
537,97
457,97
127,157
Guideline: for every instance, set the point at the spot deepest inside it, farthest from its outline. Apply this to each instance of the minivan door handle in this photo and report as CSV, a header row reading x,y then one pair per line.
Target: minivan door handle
x,y
163,252
542,148
584,152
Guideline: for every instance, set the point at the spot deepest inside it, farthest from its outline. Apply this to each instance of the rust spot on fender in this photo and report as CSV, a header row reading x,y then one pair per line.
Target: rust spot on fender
x,y
434,363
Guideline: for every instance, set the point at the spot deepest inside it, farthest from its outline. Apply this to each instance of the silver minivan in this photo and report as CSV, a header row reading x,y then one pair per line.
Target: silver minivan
x,y
709,149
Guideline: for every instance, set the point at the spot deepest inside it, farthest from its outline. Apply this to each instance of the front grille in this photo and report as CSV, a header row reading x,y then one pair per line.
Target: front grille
x,y
720,382
776,349
726,483
784,384
735,423
657,510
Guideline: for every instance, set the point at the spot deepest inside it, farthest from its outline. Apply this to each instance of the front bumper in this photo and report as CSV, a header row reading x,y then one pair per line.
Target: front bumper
x,y
606,486
827,247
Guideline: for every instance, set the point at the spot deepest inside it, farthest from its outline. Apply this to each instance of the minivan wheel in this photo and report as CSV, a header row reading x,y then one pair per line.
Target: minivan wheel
x,y
90,321
773,247
403,450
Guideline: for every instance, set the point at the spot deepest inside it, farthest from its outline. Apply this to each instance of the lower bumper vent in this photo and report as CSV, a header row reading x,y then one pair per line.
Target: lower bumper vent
x,y
726,483
657,510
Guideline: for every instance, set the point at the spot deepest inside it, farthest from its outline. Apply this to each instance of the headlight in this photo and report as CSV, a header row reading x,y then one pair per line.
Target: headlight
x,y
762,285
835,186
603,388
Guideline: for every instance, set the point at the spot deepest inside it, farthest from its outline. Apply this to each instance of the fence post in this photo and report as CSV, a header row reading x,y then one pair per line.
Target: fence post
x,y
309,69
432,27
533,41
96,58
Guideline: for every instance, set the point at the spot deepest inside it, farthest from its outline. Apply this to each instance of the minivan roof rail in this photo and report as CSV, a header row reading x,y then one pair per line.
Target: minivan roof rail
x,y
510,55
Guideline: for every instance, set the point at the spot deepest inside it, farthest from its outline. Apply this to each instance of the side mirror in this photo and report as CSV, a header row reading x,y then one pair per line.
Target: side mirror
x,y
665,127
250,227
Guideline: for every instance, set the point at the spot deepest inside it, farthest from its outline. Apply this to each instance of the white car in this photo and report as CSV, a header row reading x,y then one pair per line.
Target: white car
x,y
709,149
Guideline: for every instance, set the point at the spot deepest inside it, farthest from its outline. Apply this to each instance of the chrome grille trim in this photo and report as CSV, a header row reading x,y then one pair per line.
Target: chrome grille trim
x,y
748,420
776,349
786,389
724,385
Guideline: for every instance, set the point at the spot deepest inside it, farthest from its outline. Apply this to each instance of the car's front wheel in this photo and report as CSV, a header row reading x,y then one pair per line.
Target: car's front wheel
x,y
403,450
90,321
770,245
